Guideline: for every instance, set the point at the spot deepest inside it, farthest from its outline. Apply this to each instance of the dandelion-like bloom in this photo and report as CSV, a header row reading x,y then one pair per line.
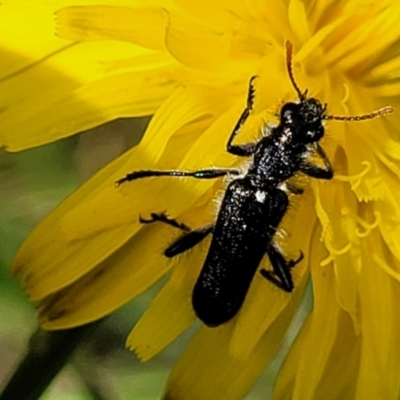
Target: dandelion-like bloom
x,y
189,63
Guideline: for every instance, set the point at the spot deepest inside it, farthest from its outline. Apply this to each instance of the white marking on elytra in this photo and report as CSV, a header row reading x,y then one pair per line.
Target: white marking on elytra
x,y
260,196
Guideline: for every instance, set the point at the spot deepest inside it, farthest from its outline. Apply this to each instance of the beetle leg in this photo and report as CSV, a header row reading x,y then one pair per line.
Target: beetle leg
x,y
315,171
293,188
281,275
187,240
200,174
243,150
162,217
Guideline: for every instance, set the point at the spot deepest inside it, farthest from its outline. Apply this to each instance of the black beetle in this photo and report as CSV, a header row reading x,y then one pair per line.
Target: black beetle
x,y
253,205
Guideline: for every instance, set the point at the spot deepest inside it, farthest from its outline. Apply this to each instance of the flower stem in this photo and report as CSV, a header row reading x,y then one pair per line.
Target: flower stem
x,y
46,355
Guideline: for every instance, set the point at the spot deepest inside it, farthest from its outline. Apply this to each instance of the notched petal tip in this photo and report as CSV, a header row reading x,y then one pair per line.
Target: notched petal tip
x,y
170,312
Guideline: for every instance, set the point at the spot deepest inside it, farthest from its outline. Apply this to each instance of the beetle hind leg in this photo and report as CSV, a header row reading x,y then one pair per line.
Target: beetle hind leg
x,y
292,263
189,238
281,275
162,217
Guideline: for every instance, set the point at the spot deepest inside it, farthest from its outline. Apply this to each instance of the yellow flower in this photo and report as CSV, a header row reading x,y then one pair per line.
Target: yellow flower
x,y
190,63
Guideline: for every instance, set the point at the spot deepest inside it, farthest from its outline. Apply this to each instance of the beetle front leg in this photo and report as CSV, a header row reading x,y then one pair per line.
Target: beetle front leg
x,y
243,150
315,171
293,188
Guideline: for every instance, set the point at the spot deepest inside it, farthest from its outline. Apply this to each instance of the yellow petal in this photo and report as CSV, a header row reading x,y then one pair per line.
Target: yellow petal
x,y
52,88
208,371
122,276
143,26
171,312
341,365
44,103
197,47
299,377
298,20
209,12
379,326
341,240
47,242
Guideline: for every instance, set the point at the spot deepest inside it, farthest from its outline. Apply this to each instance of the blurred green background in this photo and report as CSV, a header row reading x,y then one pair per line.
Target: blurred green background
x,y
32,183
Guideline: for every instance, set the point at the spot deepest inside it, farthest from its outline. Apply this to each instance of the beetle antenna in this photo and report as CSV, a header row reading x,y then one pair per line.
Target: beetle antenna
x,y
289,53
374,114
